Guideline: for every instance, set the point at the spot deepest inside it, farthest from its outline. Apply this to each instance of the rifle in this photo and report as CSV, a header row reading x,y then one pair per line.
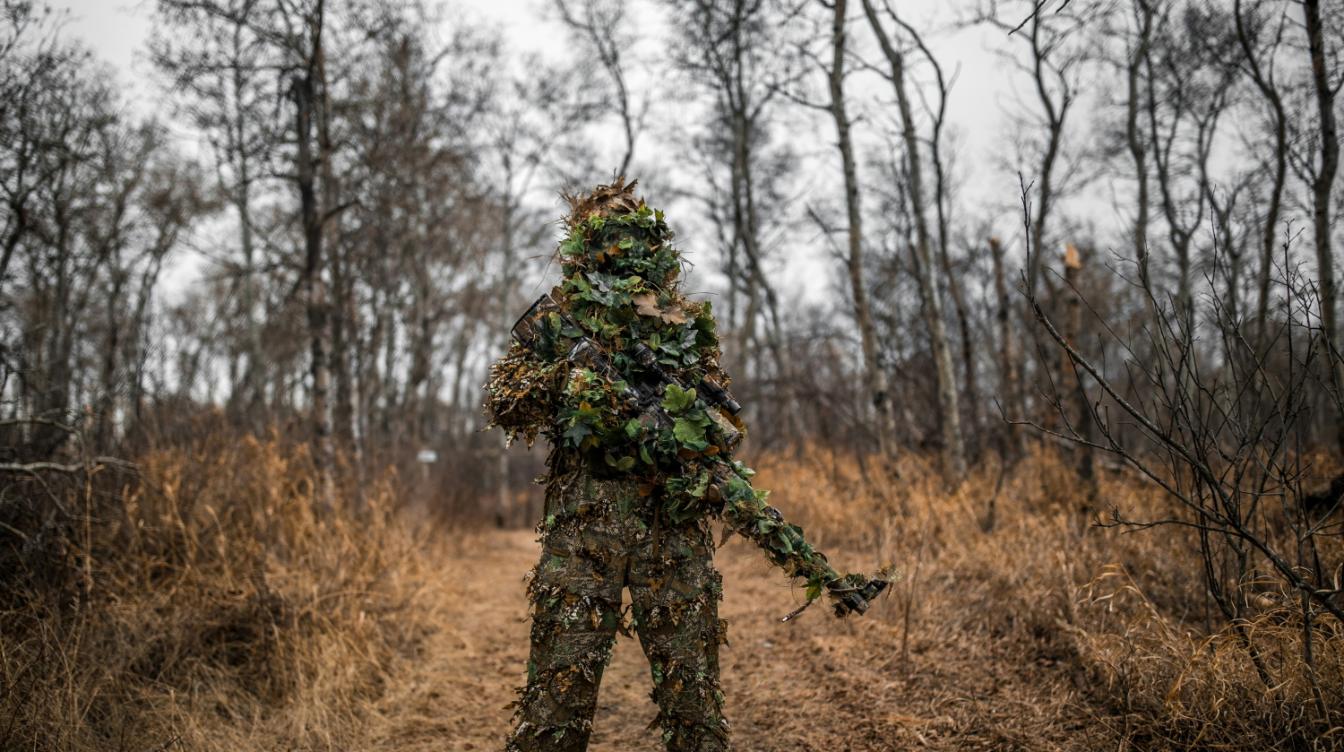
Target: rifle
x,y
531,331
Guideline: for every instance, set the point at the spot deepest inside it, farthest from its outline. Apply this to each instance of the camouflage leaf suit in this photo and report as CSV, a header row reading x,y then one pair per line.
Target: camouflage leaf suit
x,y
629,502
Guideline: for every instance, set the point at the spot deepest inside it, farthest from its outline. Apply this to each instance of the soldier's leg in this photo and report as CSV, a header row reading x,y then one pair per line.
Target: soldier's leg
x,y
676,593
576,608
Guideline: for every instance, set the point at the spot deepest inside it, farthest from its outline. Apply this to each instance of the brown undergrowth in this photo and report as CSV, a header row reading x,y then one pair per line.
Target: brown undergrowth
x,y
204,603
1119,617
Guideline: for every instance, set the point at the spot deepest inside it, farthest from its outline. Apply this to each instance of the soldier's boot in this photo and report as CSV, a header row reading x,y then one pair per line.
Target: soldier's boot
x,y
576,597
675,592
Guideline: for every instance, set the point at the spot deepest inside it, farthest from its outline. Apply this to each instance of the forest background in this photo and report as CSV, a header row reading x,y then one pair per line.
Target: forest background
x,y
994,279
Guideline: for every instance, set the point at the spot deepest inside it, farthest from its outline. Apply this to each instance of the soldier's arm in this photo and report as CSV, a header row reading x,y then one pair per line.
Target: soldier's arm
x,y
747,514
521,391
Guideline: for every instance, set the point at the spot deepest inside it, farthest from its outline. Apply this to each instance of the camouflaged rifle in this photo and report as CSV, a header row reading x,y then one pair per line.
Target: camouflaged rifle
x,y
537,325
645,397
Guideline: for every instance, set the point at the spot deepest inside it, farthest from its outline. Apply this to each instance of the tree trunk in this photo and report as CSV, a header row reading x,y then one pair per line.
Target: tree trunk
x,y
875,376
1054,116
1011,380
1079,413
111,355
954,451
1321,188
1279,118
504,500
747,227
319,331
1134,140
962,311
254,379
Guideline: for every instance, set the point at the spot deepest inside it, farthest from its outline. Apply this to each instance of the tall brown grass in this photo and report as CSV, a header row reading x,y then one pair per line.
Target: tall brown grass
x,y
1123,615
205,606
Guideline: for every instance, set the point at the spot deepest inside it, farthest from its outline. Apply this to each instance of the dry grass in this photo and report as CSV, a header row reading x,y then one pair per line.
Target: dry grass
x,y
1119,617
207,607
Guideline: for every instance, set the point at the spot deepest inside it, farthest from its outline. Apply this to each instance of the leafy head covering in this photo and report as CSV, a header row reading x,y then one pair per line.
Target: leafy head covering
x,y
613,232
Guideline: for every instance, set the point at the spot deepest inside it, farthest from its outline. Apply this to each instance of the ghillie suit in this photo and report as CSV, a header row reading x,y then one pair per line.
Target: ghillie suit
x,y
630,491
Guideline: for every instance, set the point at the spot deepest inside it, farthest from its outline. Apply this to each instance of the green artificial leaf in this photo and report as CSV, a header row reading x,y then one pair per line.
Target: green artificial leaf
x,y
677,400
688,337
577,433
632,427
644,455
700,487
690,432
572,246
624,464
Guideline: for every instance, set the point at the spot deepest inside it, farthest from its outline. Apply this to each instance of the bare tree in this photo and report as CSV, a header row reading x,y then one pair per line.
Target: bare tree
x,y
1136,55
289,40
954,452
1187,95
1257,61
1054,59
221,80
735,51
1226,454
1326,88
599,24
874,374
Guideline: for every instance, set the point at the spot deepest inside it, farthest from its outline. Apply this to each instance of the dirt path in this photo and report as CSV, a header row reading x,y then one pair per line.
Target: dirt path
x,y
814,684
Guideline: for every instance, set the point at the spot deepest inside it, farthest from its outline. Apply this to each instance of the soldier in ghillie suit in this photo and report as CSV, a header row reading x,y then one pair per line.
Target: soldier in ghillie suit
x,y
621,374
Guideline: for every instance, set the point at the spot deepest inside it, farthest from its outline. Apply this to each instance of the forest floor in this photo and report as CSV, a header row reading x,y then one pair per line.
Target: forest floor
x,y
816,683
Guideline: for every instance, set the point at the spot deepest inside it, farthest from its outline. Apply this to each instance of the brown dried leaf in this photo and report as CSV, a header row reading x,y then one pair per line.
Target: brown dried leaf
x,y
646,304
674,315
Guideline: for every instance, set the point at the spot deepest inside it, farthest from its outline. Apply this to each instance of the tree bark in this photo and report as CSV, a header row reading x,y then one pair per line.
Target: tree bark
x,y
315,288
875,376
1009,374
1134,139
1321,188
1265,85
1079,413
